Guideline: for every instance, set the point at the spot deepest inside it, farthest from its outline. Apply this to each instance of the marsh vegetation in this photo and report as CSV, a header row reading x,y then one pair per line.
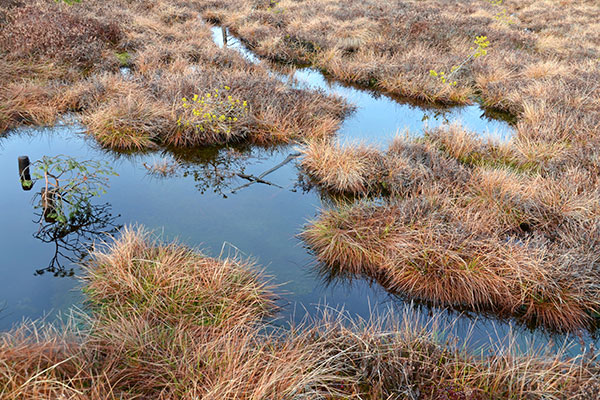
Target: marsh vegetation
x,y
502,227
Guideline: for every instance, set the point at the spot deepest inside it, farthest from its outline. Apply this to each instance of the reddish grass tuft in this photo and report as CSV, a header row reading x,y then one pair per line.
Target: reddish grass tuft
x,y
46,29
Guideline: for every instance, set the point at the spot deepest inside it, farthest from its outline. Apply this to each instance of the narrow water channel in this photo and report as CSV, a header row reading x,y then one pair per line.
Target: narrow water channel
x,y
206,204
378,118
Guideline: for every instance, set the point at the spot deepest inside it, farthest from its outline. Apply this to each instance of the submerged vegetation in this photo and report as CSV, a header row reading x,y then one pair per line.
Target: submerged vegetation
x,y
168,322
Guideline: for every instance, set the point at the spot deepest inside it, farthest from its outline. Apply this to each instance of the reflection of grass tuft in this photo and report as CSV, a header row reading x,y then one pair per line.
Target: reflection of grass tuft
x,y
167,322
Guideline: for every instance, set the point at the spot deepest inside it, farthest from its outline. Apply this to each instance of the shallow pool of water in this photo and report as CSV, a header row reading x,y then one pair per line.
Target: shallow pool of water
x,y
207,204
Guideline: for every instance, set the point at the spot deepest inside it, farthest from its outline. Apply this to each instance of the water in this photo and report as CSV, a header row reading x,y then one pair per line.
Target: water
x,y
199,204
259,221
378,118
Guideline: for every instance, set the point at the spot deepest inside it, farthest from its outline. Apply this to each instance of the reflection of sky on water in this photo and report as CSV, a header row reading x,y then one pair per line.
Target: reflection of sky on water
x,y
378,118
196,205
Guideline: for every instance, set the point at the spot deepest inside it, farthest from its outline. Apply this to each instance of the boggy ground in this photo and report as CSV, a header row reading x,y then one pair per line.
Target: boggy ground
x,y
166,322
462,223
542,64
181,89
509,226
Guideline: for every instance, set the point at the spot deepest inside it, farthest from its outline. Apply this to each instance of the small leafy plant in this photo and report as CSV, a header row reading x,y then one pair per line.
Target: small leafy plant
x,y
124,58
482,43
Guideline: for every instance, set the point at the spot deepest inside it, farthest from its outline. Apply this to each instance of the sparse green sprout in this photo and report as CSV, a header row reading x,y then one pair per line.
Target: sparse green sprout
x,y
124,58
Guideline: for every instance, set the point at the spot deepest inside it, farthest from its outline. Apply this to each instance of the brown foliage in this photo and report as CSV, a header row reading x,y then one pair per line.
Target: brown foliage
x,y
47,30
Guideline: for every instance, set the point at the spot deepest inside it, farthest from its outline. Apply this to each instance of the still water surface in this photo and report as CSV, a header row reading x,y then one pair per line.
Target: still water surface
x,y
201,207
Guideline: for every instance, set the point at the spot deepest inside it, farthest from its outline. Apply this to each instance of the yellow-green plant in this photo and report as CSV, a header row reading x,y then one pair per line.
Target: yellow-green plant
x,y
482,43
502,15
215,112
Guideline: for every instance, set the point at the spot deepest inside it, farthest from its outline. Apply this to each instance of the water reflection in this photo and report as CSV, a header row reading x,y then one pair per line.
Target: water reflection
x,y
195,203
72,239
215,169
66,214
224,170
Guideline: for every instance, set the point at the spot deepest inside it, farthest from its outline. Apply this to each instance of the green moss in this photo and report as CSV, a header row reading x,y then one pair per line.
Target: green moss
x,y
124,58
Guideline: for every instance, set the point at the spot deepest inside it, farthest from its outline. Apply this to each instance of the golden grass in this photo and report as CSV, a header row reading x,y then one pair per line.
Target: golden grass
x,y
405,168
171,56
463,222
341,169
172,282
421,248
542,72
166,322
26,102
128,123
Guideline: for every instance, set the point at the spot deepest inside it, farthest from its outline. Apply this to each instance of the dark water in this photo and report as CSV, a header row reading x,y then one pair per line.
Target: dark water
x,y
199,204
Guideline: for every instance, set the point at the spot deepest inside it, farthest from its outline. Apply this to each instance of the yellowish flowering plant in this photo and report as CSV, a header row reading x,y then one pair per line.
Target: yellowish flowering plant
x,y
213,114
482,43
502,15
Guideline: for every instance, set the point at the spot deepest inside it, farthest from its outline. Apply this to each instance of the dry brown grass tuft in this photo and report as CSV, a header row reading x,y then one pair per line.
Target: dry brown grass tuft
x,y
473,150
128,123
171,56
97,90
173,283
343,169
464,221
330,357
166,322
406,168
427,248
45,29
26,102
543,72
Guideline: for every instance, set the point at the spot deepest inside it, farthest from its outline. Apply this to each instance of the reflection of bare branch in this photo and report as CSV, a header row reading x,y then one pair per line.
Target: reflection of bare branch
x,y
259,179
72,239
218,168
213,168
